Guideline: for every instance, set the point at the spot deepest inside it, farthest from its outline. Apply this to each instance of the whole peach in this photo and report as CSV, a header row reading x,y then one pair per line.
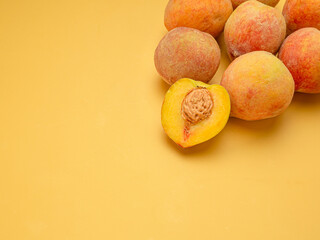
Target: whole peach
x,y
254,26
205,15
301,14
187,53
272,3
300,52
259,84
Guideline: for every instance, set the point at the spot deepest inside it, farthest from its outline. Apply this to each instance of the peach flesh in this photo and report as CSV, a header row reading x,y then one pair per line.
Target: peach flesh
x,y
193,112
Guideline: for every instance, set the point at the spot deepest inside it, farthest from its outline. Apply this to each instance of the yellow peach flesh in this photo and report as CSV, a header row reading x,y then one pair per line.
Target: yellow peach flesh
x,y
184,133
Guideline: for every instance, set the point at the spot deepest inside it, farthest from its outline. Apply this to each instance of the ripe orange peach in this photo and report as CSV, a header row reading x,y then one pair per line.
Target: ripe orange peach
x,y
205,15
254,26
272,3
187,53
193,112
259,84
301,14
300,52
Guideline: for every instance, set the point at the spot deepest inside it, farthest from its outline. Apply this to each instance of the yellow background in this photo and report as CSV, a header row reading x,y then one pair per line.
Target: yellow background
x,y
83,154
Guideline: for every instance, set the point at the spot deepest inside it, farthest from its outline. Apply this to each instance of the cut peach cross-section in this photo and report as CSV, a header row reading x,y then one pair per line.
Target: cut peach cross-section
x,y
194,112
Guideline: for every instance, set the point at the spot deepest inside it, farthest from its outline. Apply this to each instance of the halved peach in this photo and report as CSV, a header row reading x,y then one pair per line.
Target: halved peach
x,y
194,112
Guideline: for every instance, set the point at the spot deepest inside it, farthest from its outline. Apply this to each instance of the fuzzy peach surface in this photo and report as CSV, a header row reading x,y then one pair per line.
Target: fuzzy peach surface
x,y
300,52
272,3
301,14
187,53
206,15
254,26
259,84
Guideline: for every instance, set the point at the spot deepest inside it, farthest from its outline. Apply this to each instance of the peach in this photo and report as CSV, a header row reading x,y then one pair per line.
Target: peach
x,y
194,112
205,15
187,53
259,84
272,3
301,14
254,26
300,52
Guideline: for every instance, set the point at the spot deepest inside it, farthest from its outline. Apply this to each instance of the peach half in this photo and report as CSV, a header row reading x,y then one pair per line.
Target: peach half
x,y
194,112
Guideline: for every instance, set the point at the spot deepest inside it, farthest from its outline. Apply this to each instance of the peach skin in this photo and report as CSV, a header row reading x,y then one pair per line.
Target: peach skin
x,y
206,15
260,86
254,26
271,3
300,52
301,14
187,53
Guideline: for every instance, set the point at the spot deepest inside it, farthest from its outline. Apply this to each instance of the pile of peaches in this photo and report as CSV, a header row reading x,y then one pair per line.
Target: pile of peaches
x,y
273,55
